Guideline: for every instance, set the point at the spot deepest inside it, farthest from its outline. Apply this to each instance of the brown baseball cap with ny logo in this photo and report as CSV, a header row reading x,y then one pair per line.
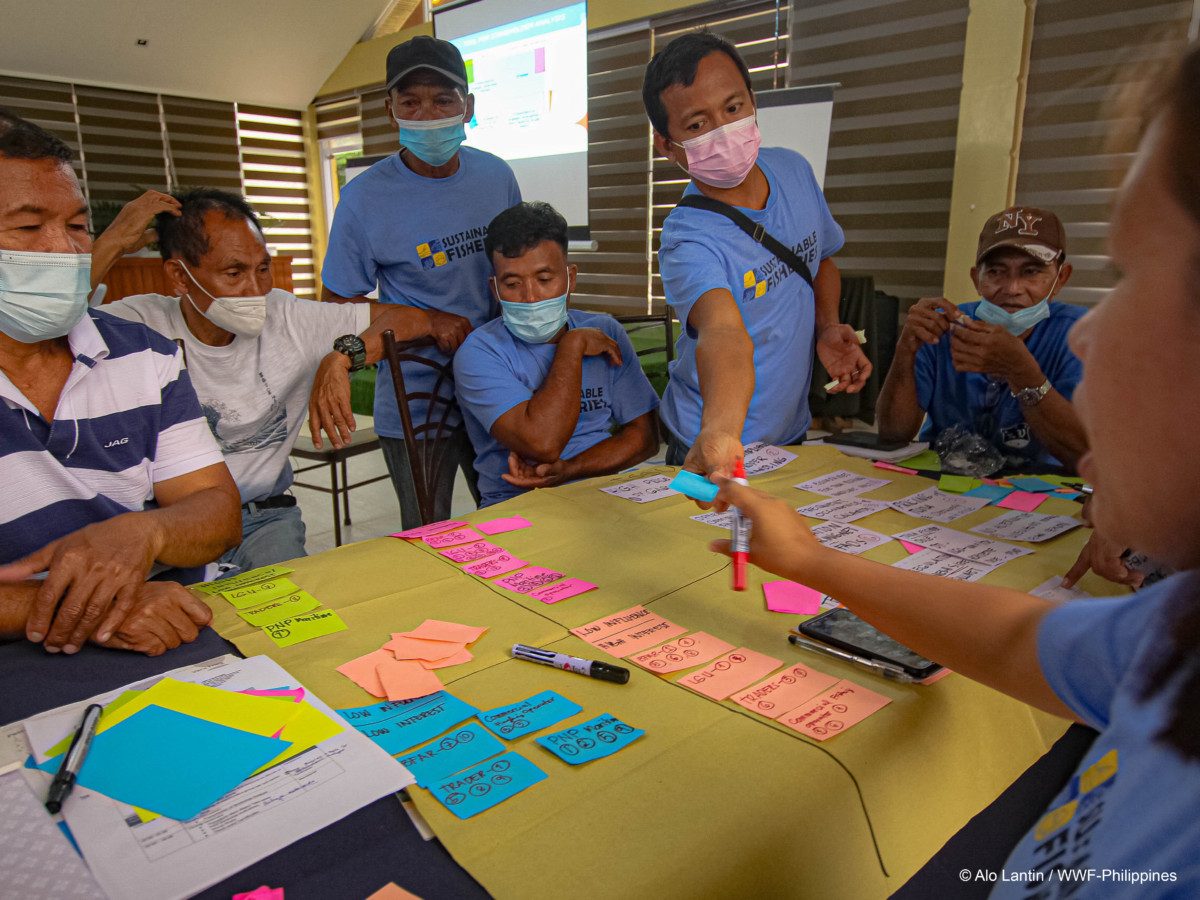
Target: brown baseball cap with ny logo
x,y
1037,232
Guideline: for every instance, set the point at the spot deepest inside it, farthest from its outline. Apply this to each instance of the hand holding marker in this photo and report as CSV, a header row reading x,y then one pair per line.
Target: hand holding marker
x,y
739,533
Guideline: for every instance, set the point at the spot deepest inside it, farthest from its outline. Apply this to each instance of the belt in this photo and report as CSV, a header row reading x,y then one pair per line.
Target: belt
x,y
279,501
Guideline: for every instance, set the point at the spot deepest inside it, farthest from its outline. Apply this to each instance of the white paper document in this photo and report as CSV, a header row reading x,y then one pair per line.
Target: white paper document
x,y
1052,589
964,546
643,490
842,509
761,458
848,538
932,562
166,859
938,505
720,519
1027,526
841,484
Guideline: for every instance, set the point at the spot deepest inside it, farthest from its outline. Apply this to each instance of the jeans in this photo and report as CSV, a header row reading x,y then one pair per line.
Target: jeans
x,y
459,454
269,536
677,450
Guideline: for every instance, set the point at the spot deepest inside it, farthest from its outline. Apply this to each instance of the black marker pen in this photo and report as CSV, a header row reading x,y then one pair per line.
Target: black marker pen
x,y
591,668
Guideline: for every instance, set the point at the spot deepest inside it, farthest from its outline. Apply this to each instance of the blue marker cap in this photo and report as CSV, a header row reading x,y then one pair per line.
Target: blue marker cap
x,y
695,486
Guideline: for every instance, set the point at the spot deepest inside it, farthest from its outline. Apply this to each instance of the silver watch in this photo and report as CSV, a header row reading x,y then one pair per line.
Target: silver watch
x,y
1032,396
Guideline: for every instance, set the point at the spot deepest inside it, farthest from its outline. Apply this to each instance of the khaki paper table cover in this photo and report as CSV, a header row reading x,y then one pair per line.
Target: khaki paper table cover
x,y
714,801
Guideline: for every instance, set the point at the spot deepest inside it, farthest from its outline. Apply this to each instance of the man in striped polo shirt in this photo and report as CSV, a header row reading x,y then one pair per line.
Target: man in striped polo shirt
x,y
106,462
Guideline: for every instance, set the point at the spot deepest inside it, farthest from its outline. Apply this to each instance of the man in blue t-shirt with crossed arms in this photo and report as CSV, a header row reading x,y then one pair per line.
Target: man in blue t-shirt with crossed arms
x,y
750,322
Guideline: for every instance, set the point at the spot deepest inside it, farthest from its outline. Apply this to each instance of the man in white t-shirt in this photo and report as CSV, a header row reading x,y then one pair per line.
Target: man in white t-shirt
x,y
262,360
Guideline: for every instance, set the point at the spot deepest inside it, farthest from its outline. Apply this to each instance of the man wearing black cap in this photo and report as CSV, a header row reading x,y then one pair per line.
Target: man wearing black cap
x,y
413,225
1000,366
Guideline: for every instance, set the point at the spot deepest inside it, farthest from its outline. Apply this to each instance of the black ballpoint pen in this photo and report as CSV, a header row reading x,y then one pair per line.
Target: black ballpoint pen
x,y
73,759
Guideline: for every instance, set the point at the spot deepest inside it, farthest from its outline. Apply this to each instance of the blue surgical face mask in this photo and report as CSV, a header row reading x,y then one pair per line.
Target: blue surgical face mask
x,y
42,295
1016,323
536,322
434,141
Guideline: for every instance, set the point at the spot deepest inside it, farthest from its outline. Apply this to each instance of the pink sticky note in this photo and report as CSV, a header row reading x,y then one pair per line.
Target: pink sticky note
x,y
880,464
495,565
790,597
461,656
500,526
568,587
529,579
936,676
1022,500
362,671
471,552
453,538
694,650
402,647
262,893
787,690
422,531
628,631
910,547
437,630
730,673
293,694
404,679
831,713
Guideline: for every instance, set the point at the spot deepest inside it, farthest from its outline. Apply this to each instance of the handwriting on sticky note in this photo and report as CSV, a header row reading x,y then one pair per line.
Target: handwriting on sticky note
x,y
568,587
784,691
628,631
453,752
761,458
938,505
1027,526
257,594
841,484
424,531
790,597
472,791
594,739
831,713
843,509
453,538
475,550
848,538
503,526
964,546
498,564
400,726
304,627
643,490
944,565
693,650
527,580
242,579
730,673
280,608
538,712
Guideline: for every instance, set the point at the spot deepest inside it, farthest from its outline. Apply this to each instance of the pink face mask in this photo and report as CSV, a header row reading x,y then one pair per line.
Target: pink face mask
x,y
724,156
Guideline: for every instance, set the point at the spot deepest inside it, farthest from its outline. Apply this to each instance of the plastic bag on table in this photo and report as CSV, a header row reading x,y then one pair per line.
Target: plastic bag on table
x,y
964,452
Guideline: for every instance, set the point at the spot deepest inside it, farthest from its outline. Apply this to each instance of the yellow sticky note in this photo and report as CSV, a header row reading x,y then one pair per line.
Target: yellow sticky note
x,y
304,627
258,594
254,576
280,608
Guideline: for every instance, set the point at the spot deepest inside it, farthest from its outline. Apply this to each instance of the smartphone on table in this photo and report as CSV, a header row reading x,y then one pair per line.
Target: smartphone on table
x,y
843,635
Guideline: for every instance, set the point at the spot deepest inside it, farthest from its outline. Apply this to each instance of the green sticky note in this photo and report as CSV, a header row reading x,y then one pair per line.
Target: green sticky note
x,y
280,608
304,627
955,484
926,460
258,594
254,576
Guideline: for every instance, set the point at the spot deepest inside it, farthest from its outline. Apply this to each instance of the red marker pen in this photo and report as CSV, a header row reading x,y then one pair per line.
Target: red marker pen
x,y
739,533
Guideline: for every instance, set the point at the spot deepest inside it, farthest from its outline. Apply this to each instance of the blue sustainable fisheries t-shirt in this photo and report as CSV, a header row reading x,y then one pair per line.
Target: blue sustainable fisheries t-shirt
x,y
702,250
1125,825
950,397
421,240
495,371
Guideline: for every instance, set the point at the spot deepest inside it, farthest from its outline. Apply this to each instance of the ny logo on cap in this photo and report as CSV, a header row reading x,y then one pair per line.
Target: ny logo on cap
x,y
1024,222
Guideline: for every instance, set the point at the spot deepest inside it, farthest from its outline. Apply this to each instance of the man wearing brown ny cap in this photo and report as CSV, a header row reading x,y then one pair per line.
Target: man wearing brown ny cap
x,y
1000,366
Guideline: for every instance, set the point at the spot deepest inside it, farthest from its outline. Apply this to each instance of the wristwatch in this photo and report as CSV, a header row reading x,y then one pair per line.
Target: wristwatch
x,y
1032,396
352,347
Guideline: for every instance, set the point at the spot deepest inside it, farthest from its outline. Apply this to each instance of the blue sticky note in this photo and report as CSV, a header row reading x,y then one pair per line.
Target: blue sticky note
x,y
402,725
170,763
993,492
695,486
473,790
463,747
538,712
602,736
1033,485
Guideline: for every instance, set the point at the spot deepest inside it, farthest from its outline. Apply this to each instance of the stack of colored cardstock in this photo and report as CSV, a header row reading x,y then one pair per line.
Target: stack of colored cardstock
x,y
403,668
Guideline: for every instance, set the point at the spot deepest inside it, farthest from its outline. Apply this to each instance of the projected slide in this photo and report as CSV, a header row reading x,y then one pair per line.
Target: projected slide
x,y
529,78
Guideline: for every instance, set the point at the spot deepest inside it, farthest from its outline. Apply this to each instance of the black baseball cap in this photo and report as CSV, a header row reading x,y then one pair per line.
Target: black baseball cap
x,y
424,52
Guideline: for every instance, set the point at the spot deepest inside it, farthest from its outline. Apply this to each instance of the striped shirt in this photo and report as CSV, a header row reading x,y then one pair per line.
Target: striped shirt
x,y
127,418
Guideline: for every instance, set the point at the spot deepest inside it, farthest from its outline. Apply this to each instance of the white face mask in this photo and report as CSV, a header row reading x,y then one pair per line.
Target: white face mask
x,y
42,295
243,316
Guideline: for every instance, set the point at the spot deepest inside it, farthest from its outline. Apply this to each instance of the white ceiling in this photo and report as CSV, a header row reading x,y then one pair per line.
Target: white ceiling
x,y
269,52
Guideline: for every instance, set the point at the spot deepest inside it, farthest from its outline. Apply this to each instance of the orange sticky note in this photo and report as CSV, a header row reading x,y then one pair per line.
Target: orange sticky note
x,y
461,656
362,671
629,631
391,892
404,679
402,647
785,691
693,650
831,713
730,673
437,630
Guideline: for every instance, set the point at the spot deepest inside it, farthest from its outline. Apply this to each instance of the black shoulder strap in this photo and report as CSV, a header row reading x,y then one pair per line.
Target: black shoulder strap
x,y
752,228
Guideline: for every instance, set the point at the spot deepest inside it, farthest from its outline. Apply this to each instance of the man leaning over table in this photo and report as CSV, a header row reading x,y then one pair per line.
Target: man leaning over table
x,y
262,360
1000,366
413,225
745,357
106,461
541,387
